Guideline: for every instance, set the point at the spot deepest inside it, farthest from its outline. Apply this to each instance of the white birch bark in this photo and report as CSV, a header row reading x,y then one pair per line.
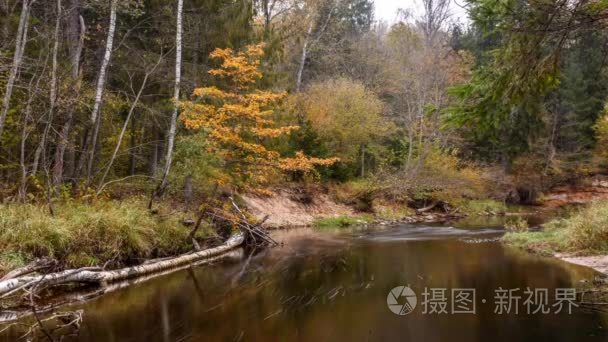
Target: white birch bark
x,y
303,57
95,114
104,64
173,123
17,57
87,275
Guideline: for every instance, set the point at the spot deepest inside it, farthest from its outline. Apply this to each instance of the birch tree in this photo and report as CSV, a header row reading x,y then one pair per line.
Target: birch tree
x,y
95,118
309,40
20,42
173,124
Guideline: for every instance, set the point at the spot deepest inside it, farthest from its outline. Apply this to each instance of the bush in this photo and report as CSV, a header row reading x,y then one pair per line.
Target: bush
x,y
585,232
83,235
517,224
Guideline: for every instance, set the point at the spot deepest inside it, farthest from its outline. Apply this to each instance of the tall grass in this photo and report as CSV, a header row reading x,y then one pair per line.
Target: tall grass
x,y
584,232
82,234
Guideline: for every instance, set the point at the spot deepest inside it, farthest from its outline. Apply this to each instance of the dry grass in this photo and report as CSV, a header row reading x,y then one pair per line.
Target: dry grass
x,y
82,234
583,233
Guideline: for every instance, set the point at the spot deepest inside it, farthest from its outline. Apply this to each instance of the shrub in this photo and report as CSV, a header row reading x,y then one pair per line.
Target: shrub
x,y
517,224
585,232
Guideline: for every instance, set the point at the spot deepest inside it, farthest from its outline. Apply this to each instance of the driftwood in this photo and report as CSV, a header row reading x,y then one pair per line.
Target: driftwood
x,y
427,208
35,266
101,277
255,235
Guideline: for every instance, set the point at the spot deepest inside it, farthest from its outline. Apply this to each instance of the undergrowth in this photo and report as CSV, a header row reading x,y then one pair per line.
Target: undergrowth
x,y
81,234
583,233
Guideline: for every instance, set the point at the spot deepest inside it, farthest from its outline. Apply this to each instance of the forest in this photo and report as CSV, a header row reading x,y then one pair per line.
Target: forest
x,y
124,121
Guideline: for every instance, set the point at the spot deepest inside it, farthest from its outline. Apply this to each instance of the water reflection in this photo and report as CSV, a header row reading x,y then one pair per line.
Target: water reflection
x,y
331,285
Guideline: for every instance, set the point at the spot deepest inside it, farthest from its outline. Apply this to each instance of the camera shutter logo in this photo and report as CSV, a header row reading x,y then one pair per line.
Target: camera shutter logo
x,y
401,300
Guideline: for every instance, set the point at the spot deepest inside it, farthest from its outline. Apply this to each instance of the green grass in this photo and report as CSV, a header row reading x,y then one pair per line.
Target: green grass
x,y
83,235
339,221
583,233
483,207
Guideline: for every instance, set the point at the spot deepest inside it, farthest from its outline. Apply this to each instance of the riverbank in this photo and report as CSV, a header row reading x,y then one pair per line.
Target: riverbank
x,y
121,232
297,207
77,234
580,238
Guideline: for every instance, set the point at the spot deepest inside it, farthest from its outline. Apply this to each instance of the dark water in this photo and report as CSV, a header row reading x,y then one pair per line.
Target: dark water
x,y
332,285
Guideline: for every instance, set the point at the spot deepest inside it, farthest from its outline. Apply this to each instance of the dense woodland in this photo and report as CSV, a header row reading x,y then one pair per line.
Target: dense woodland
x,y
94,94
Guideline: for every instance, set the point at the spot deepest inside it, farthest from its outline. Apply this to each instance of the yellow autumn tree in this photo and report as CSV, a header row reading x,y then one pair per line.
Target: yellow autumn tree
x,y
238,121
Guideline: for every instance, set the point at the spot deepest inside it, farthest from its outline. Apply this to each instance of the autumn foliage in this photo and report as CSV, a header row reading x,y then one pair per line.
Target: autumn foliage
x,y
238,119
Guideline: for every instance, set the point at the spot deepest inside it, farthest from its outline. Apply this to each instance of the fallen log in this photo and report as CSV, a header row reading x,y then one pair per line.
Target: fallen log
x,y
101,277
86,294
35,266
427,208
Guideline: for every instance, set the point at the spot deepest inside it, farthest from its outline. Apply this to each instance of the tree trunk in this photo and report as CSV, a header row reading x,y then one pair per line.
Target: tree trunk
x,y
188,189
41,150
76,42
303,57
87,275
95,120
132,144
17,57
24,134
153,161
173,124
362,161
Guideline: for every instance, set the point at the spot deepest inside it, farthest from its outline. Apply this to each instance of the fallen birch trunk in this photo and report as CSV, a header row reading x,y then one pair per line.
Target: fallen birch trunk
x,y
92,275
87,294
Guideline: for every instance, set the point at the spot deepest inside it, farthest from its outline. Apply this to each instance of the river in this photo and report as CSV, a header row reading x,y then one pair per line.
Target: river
x,y
333,285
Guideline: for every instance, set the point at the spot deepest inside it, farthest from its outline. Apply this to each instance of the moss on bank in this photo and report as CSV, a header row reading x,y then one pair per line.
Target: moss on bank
x,y
340,221
88,234
583,233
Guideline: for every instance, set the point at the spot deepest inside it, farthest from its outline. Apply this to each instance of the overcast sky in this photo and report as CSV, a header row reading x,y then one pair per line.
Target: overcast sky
x,y
386,10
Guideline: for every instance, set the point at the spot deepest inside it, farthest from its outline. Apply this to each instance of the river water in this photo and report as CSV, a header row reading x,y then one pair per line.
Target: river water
x,y
333,285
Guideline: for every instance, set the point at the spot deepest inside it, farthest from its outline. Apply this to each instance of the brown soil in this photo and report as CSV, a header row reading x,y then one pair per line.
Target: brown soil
x,y
287,207
583,191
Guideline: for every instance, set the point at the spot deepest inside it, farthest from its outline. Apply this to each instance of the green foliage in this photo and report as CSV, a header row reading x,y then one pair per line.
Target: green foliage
x,y
10,260
579,100
345,117
501,122
601,135
84,235
529,83
483,207
339,221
